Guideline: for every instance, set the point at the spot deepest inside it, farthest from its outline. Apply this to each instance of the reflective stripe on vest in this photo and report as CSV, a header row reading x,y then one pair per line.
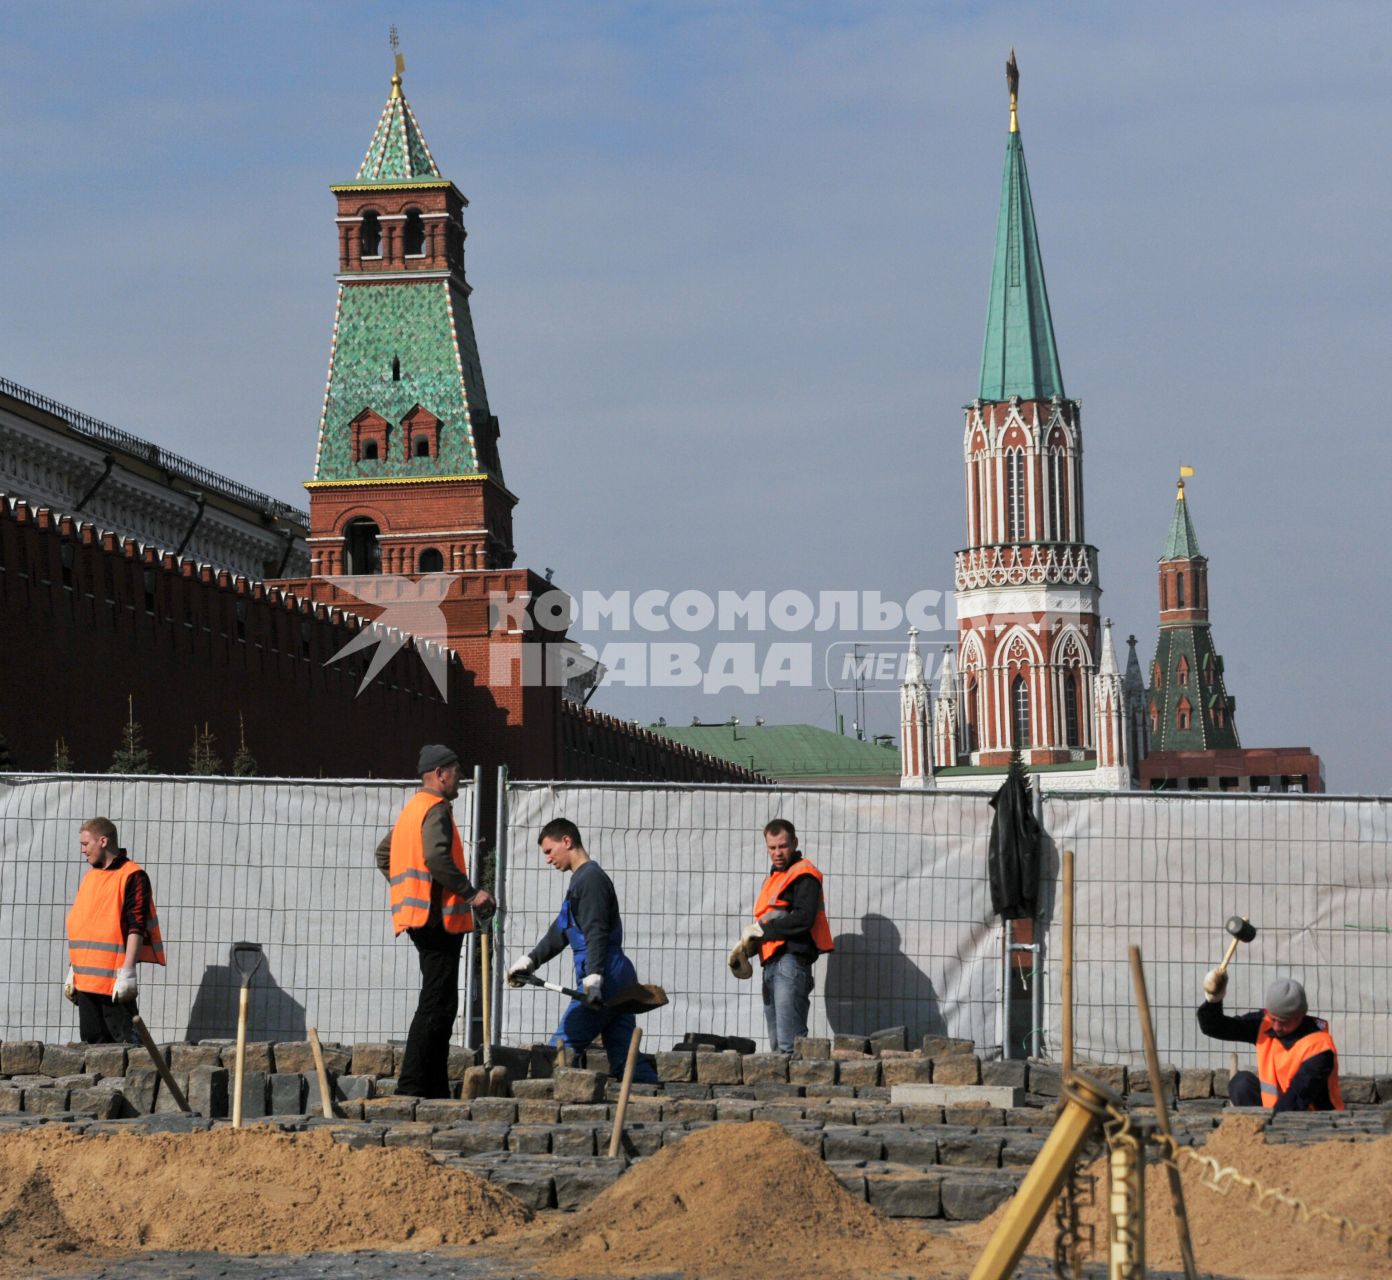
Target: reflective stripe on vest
x,y
771,896
1277,1065
410,879
96,945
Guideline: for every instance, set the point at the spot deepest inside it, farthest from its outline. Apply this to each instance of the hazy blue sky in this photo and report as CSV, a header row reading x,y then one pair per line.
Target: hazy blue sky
x,y
730,264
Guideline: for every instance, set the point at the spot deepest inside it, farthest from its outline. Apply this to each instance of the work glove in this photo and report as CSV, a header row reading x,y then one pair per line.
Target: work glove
x,y
1215,986
593,987
70,986
124,991
517,969
749,939
739,962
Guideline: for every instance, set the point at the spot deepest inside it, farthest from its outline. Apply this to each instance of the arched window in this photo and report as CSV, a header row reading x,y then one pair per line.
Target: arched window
x,y
1020,708
973,714
1179,590
1071,736
1154,718
422,446
431,561
1015,495
1055,496
1183,714
369,451
1182,672
361,552
370,235
413,237
1156,676
396,368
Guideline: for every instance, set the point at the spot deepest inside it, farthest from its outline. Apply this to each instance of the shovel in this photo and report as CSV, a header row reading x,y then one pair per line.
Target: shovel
x,y
638,997
246,960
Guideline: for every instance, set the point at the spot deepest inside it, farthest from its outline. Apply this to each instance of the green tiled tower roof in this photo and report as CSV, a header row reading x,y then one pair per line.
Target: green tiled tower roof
x,y
1019,357
397,152
1183,542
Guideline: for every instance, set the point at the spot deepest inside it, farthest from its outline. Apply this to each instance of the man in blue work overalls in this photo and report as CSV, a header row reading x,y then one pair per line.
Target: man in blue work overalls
x,y
589,924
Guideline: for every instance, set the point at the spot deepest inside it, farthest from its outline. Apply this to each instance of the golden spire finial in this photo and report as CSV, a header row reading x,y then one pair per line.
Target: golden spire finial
x,y
1184,474
400,62
1012,79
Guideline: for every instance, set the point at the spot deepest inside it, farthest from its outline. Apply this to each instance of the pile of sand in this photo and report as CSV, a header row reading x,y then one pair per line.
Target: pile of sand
x,y
252,1191
1231,1236
736,1200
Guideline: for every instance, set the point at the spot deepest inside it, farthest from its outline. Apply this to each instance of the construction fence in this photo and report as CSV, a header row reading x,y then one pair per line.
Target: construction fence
x,y
289,864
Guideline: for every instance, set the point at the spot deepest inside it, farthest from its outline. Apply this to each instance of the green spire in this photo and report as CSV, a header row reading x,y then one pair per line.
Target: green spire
x,y
397,152
1183,542
1020,358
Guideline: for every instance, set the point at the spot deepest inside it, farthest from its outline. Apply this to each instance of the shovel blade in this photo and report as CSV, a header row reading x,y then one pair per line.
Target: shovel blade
x,y
641,997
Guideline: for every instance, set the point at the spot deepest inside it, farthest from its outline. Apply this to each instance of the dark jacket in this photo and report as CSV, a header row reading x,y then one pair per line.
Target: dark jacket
x,y
1013,860
1310,1085
804,897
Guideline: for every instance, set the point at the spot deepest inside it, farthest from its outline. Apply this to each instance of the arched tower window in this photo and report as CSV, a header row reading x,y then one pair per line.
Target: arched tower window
x,y
1182,672
1179,590
1020,712
396,368
1156,675
1015,495
361,552
431,561
370,235
413,236
1183,714
1054,497
1071,735
973,714
369,451
422,447
1154,718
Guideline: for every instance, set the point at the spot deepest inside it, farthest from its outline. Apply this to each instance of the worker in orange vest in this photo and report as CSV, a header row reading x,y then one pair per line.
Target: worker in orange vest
x,y
111,927
434,901
1297,1063
789,932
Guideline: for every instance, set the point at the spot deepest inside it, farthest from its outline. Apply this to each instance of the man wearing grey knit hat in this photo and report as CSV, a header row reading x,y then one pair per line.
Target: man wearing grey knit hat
x,y
1297,1063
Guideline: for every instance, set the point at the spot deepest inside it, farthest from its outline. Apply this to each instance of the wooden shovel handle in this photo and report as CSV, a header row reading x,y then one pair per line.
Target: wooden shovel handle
x,y
160,1065
325,1097
617,1135
240,1073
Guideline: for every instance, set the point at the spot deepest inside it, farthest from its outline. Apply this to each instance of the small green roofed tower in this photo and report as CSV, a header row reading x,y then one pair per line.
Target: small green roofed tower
x,y
1019,357
407,477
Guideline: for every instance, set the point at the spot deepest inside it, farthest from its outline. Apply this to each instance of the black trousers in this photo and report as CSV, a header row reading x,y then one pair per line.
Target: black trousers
x,y
425,1064
1244,1090
100,1020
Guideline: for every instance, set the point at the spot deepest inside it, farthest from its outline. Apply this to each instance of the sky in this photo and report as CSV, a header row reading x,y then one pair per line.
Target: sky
x,y
730,264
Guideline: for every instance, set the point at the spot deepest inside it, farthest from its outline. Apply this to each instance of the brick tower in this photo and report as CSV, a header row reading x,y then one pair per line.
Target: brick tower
x,y
1026,583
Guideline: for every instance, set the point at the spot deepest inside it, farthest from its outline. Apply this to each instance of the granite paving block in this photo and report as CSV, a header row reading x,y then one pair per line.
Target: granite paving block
x,y
139,1089
373,1060
687,1090
976,1115
11,1101
359,1087
575,1086
849,1044
409,1134
360,1135
675,1066
105,1060
578,1184
858,1071
208,1091
905,1193
826,1091
574,1140
287,1093
810,1136
765,1068
391,1109
1220,1083
1381,1084
165,1103
534,1185
532,1089
850,1144
639,1140
1195,1082
1044,1079
178,1122
810,1071
917,1113
1112,1074
1355,1089
686,1110
734,1112
253,1094
960,1069
530,1139
772,1091
541,1061
586,1113
1008,1073
443,1110
184,1057
496,1110
1021,1149
971,1197
459,1061
260,1056
719,1068
82,1080
61,1060
872,1093
471,1139
538,1112
851,1177
906,1071
21,1057
812,1047
980,1150
875,1114
644,1110
945,1046
889,1038
293,1056
313,1104
903,1145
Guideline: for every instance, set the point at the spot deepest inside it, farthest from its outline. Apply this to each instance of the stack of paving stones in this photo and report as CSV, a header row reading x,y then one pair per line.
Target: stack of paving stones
x,y
546,1143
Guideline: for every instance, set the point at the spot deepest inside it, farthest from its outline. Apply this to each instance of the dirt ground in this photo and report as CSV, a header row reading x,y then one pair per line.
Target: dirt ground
x,y
728,1201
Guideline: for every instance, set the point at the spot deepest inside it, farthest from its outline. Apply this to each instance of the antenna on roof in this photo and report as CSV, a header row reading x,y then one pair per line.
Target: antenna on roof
x,y
395,41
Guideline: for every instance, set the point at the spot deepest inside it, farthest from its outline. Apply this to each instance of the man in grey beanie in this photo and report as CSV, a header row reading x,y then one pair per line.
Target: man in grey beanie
x,y
1297,1063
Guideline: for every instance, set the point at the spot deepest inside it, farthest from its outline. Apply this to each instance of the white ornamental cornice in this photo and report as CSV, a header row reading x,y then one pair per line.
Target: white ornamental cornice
x,y
1030,565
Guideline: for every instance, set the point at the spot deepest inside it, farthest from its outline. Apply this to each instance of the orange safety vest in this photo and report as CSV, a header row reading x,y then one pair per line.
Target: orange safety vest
x,y
1277,1065
771,895
96,945
410,880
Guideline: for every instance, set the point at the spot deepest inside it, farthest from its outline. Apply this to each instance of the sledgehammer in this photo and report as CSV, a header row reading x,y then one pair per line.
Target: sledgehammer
x,y
1242,930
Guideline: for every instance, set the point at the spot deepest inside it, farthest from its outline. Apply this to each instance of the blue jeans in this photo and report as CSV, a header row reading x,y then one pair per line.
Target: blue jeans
x,y
581,1023
788,985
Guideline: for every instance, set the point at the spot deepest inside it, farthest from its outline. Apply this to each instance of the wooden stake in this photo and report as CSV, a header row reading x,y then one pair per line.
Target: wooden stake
x,y
487,981
617,1136
325,1096
1162,1114
160,1065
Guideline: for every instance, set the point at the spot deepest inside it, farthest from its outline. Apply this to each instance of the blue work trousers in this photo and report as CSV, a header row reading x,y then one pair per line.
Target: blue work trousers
x,y
788,985
581,1023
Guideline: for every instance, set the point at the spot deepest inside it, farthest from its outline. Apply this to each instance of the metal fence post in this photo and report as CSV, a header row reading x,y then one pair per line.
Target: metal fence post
x,y
475,833
500,868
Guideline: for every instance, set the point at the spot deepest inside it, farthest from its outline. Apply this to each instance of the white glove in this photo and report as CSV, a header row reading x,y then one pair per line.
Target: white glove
x,y
749,939
739,962
1215,985
518,968
593,987
125,990
70,986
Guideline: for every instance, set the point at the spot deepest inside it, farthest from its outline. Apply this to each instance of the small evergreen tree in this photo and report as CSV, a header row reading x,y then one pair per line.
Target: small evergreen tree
x,y
132,756
243,763
204,760
62,761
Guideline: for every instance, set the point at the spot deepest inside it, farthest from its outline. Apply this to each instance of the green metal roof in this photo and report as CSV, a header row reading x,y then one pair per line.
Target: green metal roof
x,y
1019,357
1183,542
397,151
787,750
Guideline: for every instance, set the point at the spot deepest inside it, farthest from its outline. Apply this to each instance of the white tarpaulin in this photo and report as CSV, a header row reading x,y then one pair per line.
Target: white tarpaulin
x,y
906,895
